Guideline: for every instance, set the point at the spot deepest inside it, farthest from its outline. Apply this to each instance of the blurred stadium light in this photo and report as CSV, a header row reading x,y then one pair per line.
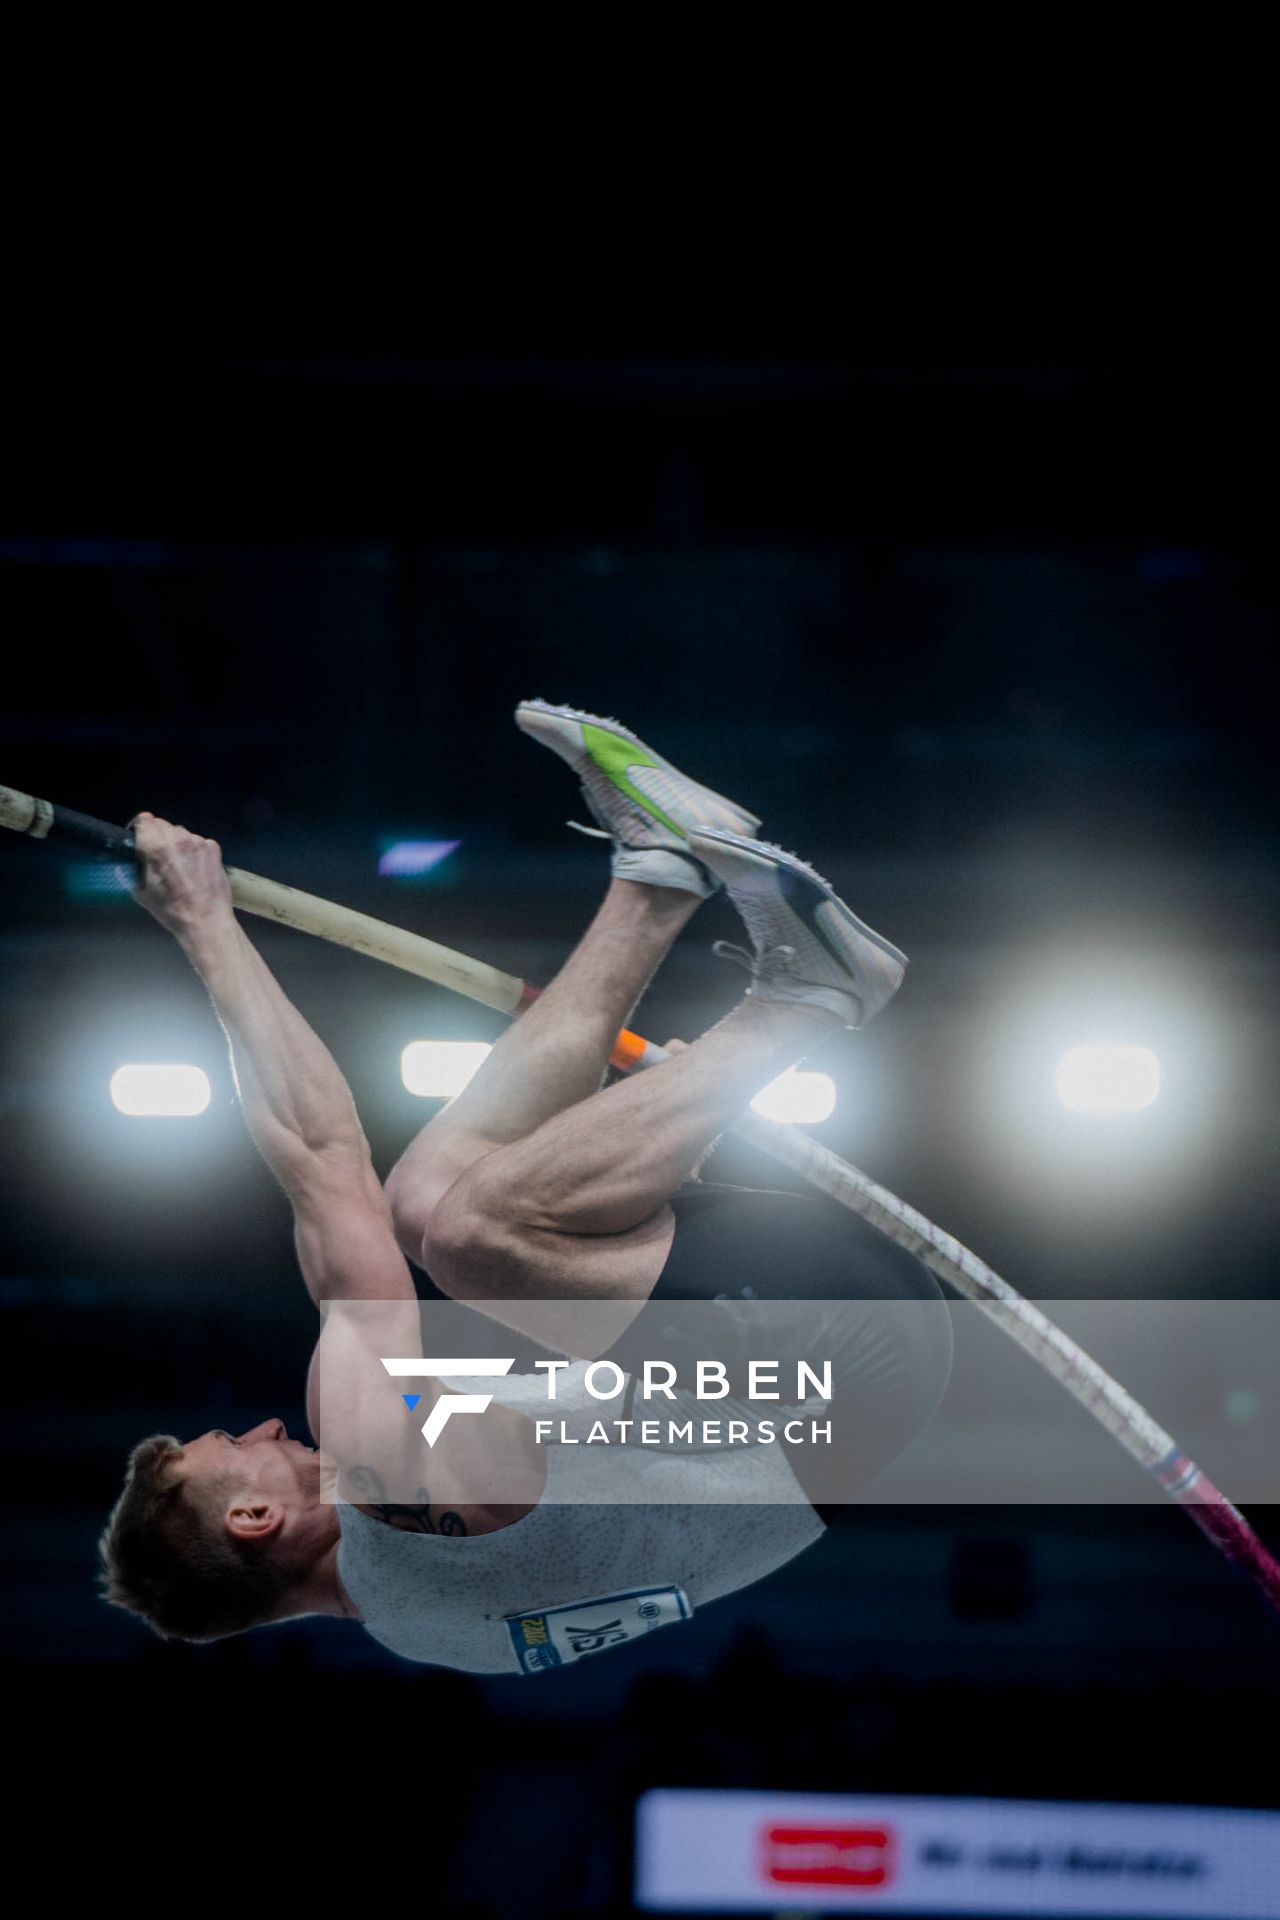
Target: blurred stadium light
x,y
437,1069
151,1088
802,1098
1108,1079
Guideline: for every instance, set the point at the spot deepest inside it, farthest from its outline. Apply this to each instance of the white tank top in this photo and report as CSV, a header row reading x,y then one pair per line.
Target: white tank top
x,y
570,1580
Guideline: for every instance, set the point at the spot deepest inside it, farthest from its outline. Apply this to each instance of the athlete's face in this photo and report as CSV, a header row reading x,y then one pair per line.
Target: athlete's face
x,y
263,1473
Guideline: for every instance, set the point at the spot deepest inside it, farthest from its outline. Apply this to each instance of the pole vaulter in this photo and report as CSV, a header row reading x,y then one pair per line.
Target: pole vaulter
x,y
1123,1417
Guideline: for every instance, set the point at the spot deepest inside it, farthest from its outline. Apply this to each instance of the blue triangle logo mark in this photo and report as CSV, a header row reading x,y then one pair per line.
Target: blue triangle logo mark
x,y
411,1400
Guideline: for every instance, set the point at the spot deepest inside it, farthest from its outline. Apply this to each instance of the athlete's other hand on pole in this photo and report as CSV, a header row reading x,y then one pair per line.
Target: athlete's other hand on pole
x,y
182,881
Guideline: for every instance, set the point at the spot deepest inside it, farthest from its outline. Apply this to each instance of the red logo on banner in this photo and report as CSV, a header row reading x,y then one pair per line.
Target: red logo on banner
x,y
828,1856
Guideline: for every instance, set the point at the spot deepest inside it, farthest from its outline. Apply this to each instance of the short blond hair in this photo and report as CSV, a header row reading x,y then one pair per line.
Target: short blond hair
x,y
167,1556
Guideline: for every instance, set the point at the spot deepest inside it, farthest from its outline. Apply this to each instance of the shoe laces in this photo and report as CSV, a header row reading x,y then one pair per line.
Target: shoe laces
x,y
602,832
774,963
601,829
761,922
765,965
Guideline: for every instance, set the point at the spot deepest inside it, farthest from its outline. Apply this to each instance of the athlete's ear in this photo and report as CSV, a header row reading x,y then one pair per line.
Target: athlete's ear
x,y
254,1519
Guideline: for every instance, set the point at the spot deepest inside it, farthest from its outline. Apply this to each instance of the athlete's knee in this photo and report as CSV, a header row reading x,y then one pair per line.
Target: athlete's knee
x,y
410,1212
414,1198
416,1186
470,1242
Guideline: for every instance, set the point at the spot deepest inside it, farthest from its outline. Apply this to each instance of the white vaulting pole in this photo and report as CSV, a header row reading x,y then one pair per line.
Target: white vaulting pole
x,y
395,947
1123,1417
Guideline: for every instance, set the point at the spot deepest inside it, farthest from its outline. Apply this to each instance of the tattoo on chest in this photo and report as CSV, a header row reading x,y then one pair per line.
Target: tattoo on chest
x,y
406,1517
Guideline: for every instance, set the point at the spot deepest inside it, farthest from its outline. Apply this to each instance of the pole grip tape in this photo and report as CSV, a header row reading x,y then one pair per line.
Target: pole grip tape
x,y
67,828
629,1052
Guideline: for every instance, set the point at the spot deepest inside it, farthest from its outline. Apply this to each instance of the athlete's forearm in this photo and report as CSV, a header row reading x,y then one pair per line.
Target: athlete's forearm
x,y
296,1102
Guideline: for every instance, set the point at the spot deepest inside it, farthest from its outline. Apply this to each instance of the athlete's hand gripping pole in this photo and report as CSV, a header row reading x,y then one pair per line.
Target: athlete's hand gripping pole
x,y
307,913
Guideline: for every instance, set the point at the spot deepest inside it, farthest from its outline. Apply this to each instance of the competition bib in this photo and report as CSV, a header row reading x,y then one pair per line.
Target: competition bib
x,y
553,1636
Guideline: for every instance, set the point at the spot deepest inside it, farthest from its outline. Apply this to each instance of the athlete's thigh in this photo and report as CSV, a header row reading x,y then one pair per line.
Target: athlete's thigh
x,y
537,1281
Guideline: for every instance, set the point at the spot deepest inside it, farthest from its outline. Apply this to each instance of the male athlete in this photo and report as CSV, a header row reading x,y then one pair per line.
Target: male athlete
x,y
537,1182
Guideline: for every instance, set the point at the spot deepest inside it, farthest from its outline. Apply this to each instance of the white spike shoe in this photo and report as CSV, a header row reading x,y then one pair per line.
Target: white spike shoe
x,y
807,944
643,804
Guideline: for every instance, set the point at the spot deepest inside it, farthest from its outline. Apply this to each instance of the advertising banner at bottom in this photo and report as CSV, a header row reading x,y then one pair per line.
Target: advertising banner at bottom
x,y
717,1851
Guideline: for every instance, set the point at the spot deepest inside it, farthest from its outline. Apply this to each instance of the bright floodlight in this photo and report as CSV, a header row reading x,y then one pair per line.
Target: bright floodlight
x,y
802,1098
149,1088
437,1069
1108,1079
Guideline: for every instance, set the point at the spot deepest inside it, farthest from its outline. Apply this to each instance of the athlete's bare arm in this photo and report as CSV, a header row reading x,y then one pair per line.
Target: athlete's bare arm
x,y
297,1105
302,1118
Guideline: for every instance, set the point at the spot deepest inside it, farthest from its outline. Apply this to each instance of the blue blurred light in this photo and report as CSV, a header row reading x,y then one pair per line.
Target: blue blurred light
x,y
408,858
96,880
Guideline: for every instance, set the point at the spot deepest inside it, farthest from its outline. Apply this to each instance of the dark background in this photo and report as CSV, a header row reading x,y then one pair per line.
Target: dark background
x,y
991,645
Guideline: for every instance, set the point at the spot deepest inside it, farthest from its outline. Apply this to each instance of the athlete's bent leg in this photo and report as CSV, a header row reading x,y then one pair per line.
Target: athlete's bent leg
x,y
578,1209
554,1056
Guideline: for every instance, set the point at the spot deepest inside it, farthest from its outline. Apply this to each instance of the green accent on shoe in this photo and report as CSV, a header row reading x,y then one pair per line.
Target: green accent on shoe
x,y
613,756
